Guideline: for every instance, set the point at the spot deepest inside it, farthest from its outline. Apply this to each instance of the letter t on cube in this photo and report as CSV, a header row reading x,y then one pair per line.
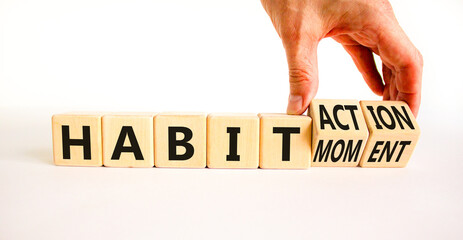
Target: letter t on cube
x,y
285,141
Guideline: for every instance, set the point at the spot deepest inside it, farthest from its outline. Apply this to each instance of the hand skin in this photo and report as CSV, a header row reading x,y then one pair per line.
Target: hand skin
x,y
363,27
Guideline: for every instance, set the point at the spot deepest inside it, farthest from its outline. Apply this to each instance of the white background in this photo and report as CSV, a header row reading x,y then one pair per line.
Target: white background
x,y
210,56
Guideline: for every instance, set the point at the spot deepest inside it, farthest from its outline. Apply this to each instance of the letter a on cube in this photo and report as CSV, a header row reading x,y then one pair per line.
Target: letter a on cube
x,y
128,140
77,139
394,134
180,140
339,133
285,141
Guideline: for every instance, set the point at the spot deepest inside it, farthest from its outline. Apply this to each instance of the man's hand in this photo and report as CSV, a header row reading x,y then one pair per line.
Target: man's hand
x,y
363,27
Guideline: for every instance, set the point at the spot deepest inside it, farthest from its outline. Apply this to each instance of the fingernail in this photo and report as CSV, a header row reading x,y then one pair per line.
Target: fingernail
x,y
294,104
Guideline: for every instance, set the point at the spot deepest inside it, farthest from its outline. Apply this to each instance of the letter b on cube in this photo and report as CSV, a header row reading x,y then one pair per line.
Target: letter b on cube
x,y
180,140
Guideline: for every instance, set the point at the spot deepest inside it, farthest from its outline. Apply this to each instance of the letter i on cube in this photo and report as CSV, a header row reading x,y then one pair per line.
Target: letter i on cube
x,y
232,140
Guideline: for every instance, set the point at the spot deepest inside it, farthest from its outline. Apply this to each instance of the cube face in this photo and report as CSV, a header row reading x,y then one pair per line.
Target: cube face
x,y
128,140
77,139
285,141
180,140
394,134
339,133
232,141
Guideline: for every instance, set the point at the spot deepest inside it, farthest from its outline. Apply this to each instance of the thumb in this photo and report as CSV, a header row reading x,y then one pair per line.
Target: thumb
x,y
303,76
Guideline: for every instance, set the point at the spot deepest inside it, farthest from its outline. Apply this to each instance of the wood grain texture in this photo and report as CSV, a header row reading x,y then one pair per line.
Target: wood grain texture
x,y
76,124
339,133
226,130
272,141
196,123
394,134
135,131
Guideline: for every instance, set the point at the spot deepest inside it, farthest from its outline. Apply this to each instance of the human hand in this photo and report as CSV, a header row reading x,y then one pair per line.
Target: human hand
x,y
363,27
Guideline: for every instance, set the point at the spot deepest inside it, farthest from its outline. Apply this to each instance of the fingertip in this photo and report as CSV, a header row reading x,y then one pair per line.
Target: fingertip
x,y
295,105
413,101
414,107
415,112
378,90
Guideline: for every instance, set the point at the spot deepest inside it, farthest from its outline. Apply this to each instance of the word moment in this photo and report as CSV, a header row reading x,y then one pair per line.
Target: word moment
x,y
336,133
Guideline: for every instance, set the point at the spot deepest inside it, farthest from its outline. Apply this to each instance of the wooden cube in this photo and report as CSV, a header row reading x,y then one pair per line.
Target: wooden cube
x,y
180,140
394,134
77,139
128,140
339,133
285,141
232,140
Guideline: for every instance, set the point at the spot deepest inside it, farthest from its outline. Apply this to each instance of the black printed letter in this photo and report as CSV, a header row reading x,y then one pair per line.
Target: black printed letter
x,y
286,142
324,121
336,119
173,143
134,148
233,146
351,108
84,142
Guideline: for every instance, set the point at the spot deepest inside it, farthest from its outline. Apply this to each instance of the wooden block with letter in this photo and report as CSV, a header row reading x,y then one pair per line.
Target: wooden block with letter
x,y
394,134
285,141
180,140
339,133
77,139
128,140
232,140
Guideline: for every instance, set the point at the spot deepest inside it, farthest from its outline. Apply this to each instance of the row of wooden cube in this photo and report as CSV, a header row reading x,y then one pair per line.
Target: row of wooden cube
x,y
342,133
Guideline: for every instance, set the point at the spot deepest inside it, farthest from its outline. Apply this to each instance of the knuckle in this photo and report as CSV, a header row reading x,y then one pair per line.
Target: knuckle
x,y
299,76
413,61
385,5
